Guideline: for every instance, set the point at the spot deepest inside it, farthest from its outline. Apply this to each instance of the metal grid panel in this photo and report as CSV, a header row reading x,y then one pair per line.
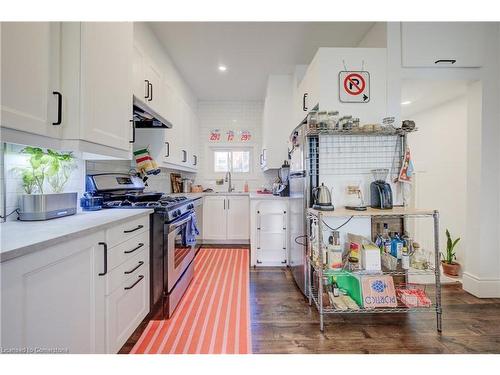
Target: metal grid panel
x,y
357,154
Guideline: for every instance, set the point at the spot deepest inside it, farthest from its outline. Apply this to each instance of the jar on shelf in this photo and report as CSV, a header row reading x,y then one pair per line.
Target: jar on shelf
x,y
347,123
333,120
355,123
312,121
322,120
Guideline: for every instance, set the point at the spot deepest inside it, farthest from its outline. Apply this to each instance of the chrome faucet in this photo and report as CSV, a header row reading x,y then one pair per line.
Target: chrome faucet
x,y
230,187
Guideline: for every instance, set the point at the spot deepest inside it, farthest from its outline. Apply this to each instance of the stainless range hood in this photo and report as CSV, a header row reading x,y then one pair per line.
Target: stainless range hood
x,y
146,117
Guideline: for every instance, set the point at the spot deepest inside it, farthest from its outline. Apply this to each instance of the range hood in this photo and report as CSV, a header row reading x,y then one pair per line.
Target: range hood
x,y
146,117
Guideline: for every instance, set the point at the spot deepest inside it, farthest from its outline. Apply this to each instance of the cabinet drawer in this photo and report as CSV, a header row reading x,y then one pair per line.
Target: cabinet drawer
x,y
128,249
125,309
123,232
127,272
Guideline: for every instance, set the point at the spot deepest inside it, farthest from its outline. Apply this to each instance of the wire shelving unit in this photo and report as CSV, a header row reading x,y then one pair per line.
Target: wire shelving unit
x,y
315,294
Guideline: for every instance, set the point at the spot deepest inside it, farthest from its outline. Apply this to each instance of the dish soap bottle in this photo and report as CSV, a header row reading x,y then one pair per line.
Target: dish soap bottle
x,y
245,188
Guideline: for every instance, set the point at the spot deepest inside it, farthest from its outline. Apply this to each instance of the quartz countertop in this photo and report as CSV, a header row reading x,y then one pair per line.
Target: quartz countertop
x,y
20,238
251,195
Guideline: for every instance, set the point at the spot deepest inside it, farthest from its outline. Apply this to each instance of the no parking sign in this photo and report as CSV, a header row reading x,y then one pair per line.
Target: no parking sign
x,y
354,87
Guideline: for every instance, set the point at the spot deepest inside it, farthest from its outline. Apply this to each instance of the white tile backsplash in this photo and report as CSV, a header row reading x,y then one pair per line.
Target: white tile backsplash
x,y
231,115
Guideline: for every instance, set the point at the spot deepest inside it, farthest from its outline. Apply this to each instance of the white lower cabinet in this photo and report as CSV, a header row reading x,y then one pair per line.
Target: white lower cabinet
x,y
54,299
128,303
226,218
269,237
77,297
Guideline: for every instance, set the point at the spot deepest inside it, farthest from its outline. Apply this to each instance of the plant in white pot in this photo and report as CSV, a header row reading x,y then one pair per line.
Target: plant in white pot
x,y
54,169
450,267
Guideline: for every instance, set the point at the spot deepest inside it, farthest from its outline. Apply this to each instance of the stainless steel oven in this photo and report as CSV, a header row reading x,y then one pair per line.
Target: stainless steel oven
x,y
179,255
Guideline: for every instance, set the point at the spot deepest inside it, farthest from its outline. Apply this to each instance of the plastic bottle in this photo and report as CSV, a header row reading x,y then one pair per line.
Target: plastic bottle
x,y
396,246
386,239
245,188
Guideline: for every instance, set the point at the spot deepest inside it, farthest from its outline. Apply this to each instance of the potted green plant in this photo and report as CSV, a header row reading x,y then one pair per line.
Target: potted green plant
x,y
46,168
450,267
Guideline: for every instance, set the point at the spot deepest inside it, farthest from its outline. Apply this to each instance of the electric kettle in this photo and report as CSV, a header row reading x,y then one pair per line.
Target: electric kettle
x,y
322,198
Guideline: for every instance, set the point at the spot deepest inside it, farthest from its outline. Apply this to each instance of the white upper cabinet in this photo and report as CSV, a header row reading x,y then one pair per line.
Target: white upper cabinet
x,y
106,72
277,121
147,81
30,77
443,44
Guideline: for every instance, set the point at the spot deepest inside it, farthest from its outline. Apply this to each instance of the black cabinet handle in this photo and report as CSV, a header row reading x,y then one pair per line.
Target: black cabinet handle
x,y
445,61
134,249
147,89
59,108
134,284
304,108
284,262
195,160
184,156
133,230
168,149
105,258
259,262
134,269
133,131
150,92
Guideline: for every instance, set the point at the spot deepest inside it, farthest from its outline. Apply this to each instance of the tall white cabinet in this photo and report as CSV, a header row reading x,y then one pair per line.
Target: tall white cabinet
x,y
30,84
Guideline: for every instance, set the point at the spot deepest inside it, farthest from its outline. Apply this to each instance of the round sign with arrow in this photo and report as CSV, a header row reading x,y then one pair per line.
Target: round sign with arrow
x,y
354,86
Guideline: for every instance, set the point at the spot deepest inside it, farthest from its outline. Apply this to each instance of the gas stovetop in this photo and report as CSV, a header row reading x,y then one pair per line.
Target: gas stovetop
x,y
168,206
164,203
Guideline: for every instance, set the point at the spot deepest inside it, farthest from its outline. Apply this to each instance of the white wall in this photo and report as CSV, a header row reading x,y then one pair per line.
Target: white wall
x,y
439,151
376,37
230,115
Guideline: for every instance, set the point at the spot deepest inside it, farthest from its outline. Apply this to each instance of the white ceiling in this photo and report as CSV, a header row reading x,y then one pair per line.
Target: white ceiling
x,y
426,94
250,50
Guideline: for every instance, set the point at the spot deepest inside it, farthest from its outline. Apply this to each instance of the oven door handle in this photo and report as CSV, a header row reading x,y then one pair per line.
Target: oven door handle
x,y
178,224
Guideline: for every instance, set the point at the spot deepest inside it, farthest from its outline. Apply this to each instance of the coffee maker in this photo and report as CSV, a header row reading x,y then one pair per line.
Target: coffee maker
x,y
282,187
380,191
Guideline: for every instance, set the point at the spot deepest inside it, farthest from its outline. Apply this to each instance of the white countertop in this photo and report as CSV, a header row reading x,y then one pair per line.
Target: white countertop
x,y
20,238
252,195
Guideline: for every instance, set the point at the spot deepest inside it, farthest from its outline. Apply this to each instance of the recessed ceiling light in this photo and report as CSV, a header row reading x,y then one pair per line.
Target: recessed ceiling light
x,y
222,68
406,102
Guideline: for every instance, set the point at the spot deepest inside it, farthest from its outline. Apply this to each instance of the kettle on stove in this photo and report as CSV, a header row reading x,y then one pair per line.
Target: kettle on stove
x,y
322,198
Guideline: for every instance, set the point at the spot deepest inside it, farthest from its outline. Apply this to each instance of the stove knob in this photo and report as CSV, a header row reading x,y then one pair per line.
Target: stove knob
x,y
175,214
178,212
190,206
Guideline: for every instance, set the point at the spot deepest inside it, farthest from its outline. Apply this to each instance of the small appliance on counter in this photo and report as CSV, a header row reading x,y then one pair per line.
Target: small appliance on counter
x,y
89,202
46,206
282,185
322,198
355,199
380,190
186,185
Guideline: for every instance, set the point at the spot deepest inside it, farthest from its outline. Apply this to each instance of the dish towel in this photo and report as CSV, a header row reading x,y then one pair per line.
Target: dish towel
x,y
190,232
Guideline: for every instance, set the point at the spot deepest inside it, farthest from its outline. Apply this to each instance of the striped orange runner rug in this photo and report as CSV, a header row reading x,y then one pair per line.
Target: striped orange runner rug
x,y
213,317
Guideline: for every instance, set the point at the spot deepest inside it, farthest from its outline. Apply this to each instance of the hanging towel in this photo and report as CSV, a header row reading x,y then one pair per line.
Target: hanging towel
x,y
190,232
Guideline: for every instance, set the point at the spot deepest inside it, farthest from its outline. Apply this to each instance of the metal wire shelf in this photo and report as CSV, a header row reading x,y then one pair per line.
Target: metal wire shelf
x,y
401,308
400,272
357,154
360,132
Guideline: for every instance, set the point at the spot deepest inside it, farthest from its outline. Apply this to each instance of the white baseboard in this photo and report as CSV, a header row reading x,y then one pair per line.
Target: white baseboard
x,y
224,242
482,288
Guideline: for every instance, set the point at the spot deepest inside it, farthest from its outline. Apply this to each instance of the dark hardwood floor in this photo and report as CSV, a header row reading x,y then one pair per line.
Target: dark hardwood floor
x,y
283,322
